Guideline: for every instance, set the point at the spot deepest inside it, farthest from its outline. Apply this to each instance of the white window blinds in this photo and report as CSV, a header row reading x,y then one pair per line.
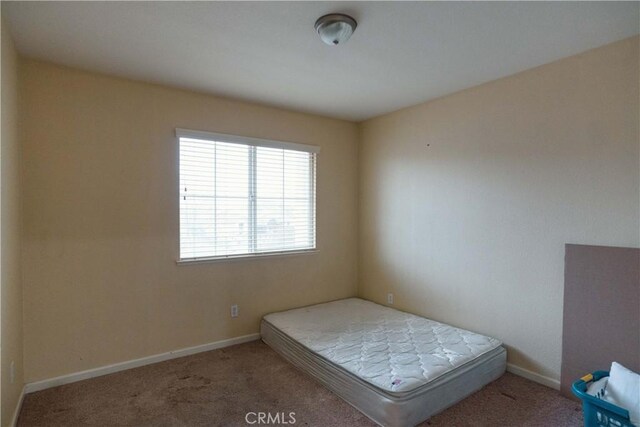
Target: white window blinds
x,y
244,196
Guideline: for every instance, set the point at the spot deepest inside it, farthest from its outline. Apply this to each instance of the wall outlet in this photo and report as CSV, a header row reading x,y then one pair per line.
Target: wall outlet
x,y
389,298
234,310
12,372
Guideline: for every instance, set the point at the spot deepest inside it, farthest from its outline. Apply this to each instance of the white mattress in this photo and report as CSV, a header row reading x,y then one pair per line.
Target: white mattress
x,y
395,367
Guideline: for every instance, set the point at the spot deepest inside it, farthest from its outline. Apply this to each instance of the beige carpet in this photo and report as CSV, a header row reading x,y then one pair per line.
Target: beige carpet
x,y
219,388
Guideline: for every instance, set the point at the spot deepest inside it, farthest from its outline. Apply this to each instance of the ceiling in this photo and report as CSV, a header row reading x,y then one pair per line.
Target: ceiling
x,y
402,53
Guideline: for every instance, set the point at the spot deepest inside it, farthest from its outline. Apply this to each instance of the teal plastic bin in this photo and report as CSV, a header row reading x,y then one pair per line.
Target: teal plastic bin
x,y
598,412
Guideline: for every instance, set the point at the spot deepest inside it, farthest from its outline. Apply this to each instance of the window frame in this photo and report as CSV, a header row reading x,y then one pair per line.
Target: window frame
x,y
251,142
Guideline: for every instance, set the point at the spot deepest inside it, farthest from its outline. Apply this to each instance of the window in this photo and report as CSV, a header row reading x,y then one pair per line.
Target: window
x,y
244,196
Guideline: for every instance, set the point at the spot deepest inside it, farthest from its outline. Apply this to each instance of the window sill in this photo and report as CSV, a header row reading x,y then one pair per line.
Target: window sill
x,y
248,257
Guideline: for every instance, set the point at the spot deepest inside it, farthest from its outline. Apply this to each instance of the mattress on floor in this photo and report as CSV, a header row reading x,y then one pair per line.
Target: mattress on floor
x,y
397,368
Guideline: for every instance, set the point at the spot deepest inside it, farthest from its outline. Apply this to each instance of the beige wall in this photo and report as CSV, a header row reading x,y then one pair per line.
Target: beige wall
x,y
101,222
10,283
466,202
465,205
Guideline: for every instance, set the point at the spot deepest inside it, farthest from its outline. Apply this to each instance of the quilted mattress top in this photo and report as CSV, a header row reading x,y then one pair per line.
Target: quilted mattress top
x,y
393,350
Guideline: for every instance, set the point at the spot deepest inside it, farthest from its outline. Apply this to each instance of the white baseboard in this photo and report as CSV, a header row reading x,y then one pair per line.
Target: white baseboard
x,y
122,366
16,412
540,379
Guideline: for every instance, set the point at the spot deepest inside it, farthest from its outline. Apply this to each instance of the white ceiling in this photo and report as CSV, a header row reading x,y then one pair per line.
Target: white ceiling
x,y
401,53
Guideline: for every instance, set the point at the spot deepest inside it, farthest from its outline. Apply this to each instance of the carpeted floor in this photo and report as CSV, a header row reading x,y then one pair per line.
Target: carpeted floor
x,y
220,387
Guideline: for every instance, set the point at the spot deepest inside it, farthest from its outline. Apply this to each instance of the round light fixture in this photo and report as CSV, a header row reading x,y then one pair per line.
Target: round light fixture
x,y
335,28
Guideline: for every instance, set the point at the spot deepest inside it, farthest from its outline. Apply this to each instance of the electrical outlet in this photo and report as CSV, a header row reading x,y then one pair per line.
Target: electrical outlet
x,y
389,298
234,310
12,372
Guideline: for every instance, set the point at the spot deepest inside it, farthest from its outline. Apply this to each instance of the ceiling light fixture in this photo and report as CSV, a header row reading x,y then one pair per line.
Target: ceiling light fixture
x,y
335,28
